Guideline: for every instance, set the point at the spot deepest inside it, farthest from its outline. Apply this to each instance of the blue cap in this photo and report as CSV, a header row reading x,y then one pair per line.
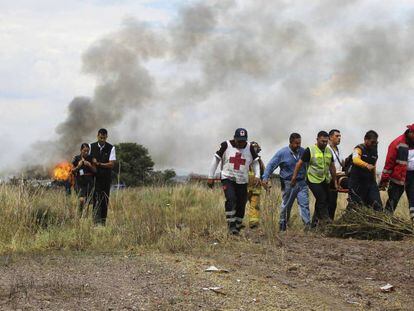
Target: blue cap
x,y
240,134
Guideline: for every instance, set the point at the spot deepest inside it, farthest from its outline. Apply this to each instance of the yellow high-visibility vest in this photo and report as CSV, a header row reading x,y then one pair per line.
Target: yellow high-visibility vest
x,y
318,167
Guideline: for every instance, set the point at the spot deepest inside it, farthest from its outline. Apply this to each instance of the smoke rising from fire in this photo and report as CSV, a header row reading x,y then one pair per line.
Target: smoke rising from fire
x,y
269,66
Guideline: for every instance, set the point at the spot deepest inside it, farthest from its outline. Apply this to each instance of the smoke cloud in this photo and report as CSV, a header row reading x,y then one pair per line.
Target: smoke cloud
x,y
269,66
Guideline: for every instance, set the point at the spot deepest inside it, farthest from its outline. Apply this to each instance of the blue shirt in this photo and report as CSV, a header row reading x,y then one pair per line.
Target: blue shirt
x,y
286,159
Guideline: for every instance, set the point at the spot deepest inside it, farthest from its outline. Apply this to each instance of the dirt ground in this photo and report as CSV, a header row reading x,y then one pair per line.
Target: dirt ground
x,y
307,272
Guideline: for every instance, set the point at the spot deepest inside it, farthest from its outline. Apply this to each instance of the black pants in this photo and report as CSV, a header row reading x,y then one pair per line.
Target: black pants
x,y
333,199
101,200
236,199
321,194
364,192
395,192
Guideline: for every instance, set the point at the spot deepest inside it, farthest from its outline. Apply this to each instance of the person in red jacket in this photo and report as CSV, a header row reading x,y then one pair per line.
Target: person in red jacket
x,y
398,173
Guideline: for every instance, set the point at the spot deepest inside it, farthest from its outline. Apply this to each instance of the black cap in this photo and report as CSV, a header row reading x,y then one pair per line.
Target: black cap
x,y
240,134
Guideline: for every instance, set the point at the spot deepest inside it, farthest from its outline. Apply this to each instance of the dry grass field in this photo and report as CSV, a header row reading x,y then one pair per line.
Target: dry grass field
x,y
157,243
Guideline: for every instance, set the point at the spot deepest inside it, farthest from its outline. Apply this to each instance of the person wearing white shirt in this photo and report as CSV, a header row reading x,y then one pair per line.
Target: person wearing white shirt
x,y
334,141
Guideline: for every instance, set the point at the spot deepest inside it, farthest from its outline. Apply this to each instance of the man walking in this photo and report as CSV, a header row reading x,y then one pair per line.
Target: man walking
x,y
254,191
104,160
236,156
363,188
287,158
398,171
319,160
334,141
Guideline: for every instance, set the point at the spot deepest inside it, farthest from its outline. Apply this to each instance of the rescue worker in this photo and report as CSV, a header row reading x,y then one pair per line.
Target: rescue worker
x,y
254,191
363,188
236,156
104,160
339,162
398,173
319,160
287,158
84,171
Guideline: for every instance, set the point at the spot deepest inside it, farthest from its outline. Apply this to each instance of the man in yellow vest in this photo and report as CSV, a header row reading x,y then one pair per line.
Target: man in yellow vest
x,y
320,170
254,191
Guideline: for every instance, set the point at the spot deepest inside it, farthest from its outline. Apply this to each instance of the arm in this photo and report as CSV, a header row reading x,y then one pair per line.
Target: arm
x,y
390,162
332,169
262,167
212,171
295,172
270,167
92,165
111,163
356,160
213,167
214,164
76,164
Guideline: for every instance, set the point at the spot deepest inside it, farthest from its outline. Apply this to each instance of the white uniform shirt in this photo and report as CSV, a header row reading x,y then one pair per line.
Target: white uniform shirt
x,y
337,157
235,163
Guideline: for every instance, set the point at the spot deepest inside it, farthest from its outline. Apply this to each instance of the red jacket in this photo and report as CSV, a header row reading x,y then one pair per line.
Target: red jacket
x,y
395,168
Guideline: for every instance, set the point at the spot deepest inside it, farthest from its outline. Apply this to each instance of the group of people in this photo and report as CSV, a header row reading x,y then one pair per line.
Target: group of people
x,y
322,168
92,169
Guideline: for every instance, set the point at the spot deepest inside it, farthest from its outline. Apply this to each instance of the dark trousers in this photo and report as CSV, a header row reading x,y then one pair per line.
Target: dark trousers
x,y
101,200
333,199
395,192
236,199
321,194
364,192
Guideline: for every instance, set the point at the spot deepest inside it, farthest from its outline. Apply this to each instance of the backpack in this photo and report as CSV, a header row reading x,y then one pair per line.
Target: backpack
x,y
348,165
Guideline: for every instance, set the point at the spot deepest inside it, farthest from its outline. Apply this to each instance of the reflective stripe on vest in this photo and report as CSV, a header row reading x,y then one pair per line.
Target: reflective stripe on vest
x,y
318,168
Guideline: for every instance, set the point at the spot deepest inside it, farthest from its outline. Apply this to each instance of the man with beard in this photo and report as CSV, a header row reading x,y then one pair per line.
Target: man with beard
x,y
236,156
320,170
398,171
287,158
363,188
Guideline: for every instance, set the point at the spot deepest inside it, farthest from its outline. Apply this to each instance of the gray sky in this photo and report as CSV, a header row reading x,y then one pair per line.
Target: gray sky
x,y
273,67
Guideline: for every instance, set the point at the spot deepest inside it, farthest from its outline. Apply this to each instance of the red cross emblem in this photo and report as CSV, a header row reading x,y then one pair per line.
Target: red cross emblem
x,y
237,161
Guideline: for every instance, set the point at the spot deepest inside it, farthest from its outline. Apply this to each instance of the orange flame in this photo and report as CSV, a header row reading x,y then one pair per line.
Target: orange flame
x,y
62,171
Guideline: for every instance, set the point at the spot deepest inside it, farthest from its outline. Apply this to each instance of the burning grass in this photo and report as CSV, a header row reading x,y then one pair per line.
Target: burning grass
x,y
62,171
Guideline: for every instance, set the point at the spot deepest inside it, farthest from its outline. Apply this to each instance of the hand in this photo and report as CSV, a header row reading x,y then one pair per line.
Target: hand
x,y
293,182
370,167
265,184
210,183
383,185
257,182
87,163
94,161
